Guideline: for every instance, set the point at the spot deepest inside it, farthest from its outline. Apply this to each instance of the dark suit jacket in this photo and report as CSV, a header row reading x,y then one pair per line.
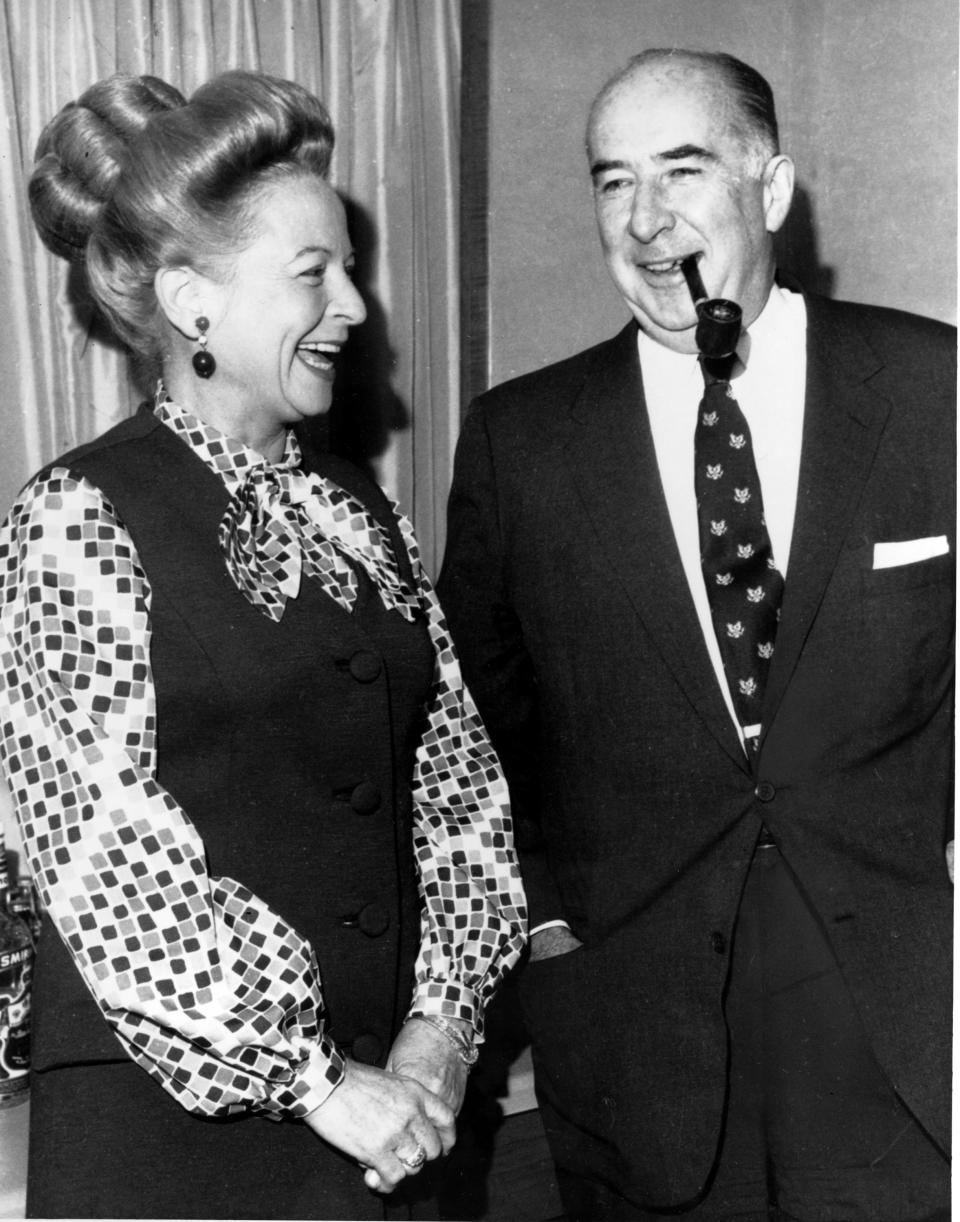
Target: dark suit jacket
x,y
636,807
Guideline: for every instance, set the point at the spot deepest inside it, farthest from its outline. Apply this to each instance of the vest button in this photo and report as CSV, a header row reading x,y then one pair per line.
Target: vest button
x,y
765,791
365,666
367,1049
366,798
718,942
373,920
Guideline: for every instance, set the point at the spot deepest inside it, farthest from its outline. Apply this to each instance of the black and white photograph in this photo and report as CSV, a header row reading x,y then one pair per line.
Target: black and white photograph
x,y
478,609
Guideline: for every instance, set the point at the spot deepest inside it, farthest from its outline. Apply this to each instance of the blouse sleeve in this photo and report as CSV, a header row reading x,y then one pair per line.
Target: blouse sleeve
x,y
474,915
206,988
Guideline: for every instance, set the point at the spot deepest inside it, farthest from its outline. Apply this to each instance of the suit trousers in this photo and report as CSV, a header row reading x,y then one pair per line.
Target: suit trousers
x,y
813,1132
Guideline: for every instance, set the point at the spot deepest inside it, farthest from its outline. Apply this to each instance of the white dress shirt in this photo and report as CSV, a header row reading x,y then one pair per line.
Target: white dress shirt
x,y
770,391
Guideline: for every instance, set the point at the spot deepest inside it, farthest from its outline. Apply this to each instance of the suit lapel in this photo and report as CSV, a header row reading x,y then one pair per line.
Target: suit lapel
x,y
612,462
843,421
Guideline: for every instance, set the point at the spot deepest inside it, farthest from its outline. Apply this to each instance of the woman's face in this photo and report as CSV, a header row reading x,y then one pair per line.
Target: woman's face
x,y
282,316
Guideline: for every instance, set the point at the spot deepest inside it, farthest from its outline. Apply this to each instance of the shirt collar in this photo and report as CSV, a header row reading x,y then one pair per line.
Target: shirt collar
x,y
226,456
776,327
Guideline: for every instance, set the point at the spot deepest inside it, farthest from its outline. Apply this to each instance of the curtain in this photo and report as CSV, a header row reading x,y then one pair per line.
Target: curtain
x,y
389,72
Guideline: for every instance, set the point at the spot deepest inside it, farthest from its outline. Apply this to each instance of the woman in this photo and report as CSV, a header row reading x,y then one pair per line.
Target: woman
x,y
232,721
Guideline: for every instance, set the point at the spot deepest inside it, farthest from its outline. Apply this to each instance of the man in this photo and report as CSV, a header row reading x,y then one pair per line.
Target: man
x,y
738,994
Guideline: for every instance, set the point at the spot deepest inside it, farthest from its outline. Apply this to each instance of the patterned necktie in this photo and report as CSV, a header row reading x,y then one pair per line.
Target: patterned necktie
x,y
743,585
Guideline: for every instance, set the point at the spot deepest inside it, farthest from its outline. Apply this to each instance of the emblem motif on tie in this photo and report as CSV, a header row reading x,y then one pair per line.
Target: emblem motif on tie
x,y
743,584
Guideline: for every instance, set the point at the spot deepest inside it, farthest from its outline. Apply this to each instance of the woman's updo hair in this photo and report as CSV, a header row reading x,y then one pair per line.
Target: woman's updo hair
x,y
131,178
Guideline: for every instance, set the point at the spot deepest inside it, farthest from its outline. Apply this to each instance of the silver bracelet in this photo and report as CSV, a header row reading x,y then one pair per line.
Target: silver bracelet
x,y
467,1051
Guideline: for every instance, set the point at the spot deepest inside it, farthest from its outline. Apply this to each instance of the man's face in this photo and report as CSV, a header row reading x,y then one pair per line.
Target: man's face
x,y
671,179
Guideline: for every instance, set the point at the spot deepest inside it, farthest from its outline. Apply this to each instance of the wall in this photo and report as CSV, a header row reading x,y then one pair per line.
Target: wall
x,y
867,101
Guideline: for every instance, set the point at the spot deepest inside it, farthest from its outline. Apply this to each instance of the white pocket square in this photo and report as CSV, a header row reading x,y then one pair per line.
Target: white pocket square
x,y
909,551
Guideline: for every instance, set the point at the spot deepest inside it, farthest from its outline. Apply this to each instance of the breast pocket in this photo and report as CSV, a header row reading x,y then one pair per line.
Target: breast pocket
x,y
909,599
934,571
905,636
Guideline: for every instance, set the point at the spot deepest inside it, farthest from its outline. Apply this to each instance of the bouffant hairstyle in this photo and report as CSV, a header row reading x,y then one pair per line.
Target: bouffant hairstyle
x,y
132,177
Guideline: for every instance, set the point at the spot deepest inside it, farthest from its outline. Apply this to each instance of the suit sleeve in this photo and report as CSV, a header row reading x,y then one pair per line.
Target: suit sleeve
x,y
475,591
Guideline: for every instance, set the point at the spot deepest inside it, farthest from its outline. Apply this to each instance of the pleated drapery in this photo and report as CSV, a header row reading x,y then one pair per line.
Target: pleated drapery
x,y
389,72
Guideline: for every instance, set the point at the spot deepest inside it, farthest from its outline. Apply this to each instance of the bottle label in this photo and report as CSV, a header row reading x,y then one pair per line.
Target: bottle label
x,y
16,969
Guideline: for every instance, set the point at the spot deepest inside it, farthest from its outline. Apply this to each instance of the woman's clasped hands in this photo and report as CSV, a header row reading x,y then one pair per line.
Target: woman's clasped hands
x,y
390,1123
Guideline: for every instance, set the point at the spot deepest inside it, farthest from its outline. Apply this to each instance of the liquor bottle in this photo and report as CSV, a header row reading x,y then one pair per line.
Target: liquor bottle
x,y
16,969
23,903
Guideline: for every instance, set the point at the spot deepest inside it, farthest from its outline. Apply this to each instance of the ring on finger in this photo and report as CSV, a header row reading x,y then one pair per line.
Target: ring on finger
x,y
416,1159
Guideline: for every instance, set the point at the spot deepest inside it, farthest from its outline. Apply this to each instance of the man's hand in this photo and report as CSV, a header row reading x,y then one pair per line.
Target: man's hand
x,y
425,1054
552,941
384,1121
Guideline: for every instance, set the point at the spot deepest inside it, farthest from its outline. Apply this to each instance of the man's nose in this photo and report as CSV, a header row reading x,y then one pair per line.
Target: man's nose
x,y
649,213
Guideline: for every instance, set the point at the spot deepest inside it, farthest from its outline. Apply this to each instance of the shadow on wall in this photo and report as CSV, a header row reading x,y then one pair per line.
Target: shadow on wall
x,y
366,409
797,247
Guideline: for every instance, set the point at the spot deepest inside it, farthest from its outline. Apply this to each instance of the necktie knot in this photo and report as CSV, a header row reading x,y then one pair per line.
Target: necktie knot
x,y
718,369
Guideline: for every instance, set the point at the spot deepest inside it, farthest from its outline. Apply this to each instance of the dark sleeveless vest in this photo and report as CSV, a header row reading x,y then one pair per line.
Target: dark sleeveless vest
x,y
290,745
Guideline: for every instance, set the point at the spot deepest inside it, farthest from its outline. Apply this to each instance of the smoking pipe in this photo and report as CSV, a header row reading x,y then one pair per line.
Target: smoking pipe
x,y
718,320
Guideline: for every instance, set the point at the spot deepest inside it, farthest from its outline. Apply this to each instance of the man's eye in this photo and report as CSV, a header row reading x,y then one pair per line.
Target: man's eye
x,y
613,186
315,273
683,171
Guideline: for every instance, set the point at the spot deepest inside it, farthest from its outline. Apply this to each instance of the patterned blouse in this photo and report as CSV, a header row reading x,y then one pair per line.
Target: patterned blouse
x,y
174,956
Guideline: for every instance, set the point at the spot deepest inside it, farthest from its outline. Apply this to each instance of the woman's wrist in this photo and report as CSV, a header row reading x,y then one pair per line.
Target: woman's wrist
x,y
457,1032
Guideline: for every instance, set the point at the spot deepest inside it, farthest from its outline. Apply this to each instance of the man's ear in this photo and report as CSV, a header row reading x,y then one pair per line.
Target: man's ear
x,y
778,176
184,295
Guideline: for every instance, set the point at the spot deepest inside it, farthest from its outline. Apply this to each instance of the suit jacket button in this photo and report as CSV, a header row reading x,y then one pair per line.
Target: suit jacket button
x,y
373,920
366,798
718,942
765,791
365,666
367,1048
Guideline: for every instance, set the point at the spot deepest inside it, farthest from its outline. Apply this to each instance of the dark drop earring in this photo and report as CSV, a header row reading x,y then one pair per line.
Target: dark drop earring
x,y
204,366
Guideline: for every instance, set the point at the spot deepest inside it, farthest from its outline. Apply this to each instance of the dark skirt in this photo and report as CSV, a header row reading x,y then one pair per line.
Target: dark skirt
x,y
107,1142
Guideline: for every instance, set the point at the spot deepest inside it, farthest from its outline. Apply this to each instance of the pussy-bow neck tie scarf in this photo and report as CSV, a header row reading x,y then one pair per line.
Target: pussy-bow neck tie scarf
x,y
282,522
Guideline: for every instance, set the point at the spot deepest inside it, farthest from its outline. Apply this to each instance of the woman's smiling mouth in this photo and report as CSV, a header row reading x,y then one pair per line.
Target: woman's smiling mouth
x,y
319,356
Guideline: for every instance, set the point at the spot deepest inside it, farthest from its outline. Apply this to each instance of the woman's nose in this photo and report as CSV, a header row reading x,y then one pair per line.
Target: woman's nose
x,y
348,303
